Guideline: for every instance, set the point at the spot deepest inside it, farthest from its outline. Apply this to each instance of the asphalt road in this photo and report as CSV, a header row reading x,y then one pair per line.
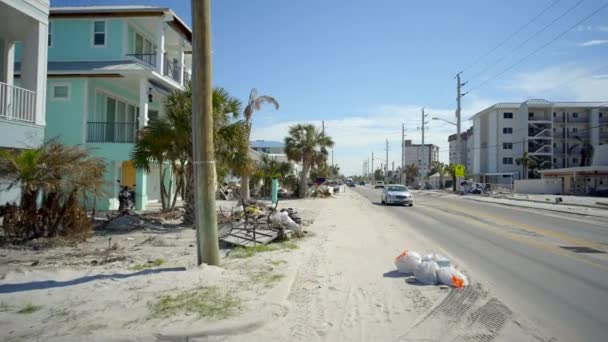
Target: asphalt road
x,y
519,255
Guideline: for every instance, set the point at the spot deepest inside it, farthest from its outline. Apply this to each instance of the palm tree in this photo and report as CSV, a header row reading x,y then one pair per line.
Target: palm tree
x,y
170,139
64,175
526,162
438,167
255,103
451,170
306,144
412,171
269,168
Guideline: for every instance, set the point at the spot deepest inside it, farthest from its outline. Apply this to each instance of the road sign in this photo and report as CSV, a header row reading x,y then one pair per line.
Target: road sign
x,y
459,170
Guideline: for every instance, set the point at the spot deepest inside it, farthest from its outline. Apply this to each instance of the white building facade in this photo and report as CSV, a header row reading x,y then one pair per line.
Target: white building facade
x,y
420,155
466,145
23,23
554,134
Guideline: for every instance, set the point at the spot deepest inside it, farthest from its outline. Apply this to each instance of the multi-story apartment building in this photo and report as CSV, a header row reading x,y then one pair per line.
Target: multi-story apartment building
x,y
554,134
465,147
109,71
420,155
23,35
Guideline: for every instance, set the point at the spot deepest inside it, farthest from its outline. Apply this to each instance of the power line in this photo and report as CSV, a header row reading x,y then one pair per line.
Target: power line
x,y
513,34
541,47
496,62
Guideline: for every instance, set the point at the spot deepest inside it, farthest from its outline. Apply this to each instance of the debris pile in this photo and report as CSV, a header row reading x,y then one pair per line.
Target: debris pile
x,y
320,191
255,222
430,269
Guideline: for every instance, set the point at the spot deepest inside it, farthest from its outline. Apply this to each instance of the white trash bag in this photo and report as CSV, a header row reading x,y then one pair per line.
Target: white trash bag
x,y
285,221
438,258
452,277
407,261
426,272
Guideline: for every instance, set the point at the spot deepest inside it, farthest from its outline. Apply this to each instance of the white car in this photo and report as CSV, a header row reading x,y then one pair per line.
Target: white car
x,y
396,194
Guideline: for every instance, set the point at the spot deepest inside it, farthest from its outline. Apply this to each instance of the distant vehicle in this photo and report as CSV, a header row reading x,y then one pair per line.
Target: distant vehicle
x,y
379,185
361,183
351,184
396,194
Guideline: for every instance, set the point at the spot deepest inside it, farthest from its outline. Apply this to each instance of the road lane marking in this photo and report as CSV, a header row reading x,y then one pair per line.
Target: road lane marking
x,y
556,250
534,229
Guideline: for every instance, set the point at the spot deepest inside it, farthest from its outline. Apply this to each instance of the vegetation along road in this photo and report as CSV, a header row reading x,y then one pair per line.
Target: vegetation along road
x,y
553,268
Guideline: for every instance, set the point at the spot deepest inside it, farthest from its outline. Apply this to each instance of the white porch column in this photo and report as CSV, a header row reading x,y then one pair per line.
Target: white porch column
x,y
34,67
7,76
8,58
182,58
160,46
144,87
477,146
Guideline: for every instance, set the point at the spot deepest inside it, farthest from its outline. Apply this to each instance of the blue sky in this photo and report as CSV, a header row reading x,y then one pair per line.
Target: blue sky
x,y
365,67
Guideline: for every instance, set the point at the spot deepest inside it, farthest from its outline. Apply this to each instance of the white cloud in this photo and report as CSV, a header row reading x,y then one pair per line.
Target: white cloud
x,y
356,136
562,83
594,42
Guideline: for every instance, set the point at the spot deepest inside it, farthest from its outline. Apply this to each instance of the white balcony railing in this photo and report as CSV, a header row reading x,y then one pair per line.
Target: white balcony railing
x,y
17,103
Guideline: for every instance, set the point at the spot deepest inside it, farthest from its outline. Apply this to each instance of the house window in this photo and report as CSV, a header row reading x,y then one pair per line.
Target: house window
x,y
507,146
601,115
506,176
507,115
574,129
530,115
99,33
575,115
554,114
60,91
50,35
555,160
507,130
574,160
507,161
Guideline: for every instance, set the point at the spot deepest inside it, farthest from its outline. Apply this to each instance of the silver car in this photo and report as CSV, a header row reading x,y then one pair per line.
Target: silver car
x,y
396,194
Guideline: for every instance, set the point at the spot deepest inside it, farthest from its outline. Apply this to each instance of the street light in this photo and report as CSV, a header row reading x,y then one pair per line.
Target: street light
x,y
444,120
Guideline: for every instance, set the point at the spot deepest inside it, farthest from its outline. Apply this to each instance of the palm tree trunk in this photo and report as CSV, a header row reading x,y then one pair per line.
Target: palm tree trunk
x,y
245,187
304,179
162,185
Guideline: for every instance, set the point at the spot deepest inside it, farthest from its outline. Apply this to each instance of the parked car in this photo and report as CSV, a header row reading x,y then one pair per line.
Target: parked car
x,y
361,183
396,194
351,184
379,185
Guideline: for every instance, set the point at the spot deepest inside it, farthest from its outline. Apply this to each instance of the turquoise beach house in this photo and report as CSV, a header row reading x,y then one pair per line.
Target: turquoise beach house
x,y
109,72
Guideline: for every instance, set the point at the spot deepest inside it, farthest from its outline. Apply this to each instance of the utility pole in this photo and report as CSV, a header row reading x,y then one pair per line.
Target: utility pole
x,y
424,122
402,153
459,95
323,127
373,171
386,164
202,140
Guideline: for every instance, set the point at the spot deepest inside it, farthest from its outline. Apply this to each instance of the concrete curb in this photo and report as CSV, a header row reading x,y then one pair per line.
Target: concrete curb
x,y
528,207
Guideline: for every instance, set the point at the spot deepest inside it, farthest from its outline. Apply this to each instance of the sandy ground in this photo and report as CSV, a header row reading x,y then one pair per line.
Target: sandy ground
x,y
338,285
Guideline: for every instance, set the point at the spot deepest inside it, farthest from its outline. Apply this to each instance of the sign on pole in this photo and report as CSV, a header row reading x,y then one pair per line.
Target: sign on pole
x,y
459,170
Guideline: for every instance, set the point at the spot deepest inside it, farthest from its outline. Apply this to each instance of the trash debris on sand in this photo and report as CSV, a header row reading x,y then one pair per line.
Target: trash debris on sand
x,y
256,222
432,269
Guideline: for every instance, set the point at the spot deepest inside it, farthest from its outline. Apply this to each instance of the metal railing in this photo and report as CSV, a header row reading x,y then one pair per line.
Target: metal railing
x,y
148,58
111,132
17,103
172,70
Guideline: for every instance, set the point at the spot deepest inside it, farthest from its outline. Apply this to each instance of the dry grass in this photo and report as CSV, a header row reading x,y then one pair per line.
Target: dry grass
x,y
206,302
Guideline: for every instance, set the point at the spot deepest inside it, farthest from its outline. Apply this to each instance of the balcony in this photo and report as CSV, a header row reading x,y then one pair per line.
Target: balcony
x,y
17,103
111,132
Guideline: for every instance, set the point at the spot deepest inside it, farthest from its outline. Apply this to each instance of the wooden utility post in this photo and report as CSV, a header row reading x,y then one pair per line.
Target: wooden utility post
x,y
202,136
